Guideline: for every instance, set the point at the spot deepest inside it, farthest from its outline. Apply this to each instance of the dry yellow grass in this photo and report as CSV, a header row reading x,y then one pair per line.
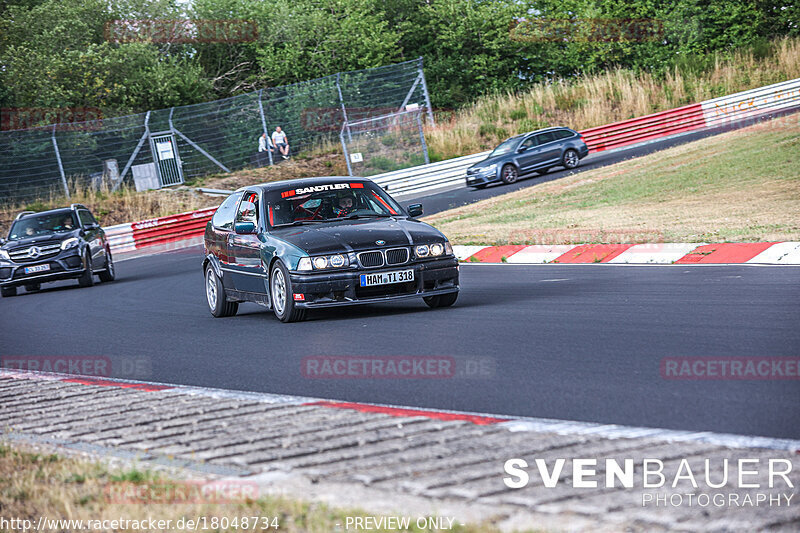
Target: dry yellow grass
x,y
599,99
36,484
739,186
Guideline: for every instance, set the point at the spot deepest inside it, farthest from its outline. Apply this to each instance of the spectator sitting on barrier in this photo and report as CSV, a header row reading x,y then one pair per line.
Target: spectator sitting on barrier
x,y
279,140
263,146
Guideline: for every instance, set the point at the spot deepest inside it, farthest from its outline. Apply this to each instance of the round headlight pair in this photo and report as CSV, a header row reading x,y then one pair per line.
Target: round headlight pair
x,y
322,262
424,250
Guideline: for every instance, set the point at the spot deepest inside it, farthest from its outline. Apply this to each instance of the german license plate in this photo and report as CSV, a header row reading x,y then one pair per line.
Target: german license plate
x,y
37,268
385,278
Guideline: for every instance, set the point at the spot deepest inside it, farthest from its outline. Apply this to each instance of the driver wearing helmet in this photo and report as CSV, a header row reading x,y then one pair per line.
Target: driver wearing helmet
x,y
345,207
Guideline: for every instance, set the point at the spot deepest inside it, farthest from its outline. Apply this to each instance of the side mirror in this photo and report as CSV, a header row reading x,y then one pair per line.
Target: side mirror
x,y
415,210
244,228
521,149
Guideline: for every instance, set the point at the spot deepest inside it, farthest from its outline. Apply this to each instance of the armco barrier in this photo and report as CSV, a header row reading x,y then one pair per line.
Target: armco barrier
x,y
716,112
163,230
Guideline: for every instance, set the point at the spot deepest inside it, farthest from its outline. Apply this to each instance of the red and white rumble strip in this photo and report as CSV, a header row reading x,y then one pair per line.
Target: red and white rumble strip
x,y
766,253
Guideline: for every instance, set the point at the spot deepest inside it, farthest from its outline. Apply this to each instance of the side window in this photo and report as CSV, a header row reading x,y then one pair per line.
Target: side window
x,y
223,218
528,143
546,137
564,134
86,218
248,208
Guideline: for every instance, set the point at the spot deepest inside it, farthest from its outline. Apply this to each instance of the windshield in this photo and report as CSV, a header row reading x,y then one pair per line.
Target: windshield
x,y
330,202
505,147
37,225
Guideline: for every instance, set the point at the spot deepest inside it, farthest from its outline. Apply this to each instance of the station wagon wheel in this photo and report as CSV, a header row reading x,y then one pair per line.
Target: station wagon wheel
x,y
571,159
282,296
509,174
215,296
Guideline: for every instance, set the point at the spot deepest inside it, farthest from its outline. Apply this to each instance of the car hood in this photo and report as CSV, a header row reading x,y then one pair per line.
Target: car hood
x,y
357,235
489,161
39,240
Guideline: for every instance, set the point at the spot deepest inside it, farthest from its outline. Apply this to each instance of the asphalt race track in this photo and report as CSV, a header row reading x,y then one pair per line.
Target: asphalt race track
x,y
576,342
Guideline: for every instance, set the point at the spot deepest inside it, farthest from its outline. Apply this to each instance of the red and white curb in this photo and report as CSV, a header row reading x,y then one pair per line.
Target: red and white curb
x,y
514,424
159,234
766,253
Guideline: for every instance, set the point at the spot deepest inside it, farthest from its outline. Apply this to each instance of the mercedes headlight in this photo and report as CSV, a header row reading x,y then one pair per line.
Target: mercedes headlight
x,y
4,255
72,242
490,168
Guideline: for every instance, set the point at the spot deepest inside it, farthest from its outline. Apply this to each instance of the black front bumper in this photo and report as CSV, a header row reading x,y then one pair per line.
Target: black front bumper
x,y
329,289
68,264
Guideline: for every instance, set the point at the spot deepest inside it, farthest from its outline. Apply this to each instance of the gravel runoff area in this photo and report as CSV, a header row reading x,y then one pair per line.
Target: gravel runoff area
x,y
406,462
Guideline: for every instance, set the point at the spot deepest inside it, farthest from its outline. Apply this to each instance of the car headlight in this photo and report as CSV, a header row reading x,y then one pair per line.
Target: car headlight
x,y
4,255
436,249
304,263
490,168
422,250
72,242
448,248
324,261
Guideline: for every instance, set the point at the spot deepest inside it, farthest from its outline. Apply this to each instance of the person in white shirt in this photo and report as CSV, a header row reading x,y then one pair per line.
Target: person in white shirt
x,y
263,146
279,140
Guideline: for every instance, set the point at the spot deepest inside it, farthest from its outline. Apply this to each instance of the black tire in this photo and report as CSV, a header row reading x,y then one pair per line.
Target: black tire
x,y
33,287
108,274
478,187
281,295
217,301
8,292
441,300
543,171
570,159
509,174
87,279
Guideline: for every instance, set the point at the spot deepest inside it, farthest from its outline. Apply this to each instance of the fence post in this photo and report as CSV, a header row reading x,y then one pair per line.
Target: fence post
x,y
344,111
346,154
264,124
422,139
427,96
60,165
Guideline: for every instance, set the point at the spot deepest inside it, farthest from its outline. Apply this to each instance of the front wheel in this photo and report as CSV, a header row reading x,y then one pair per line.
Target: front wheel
x,y
441,300
108,274
215,296
509,174
8,292
282,296
86,279
571,159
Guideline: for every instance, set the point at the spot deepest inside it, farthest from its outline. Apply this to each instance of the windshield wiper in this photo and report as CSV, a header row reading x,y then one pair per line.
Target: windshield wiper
x,y
370,215
297,223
